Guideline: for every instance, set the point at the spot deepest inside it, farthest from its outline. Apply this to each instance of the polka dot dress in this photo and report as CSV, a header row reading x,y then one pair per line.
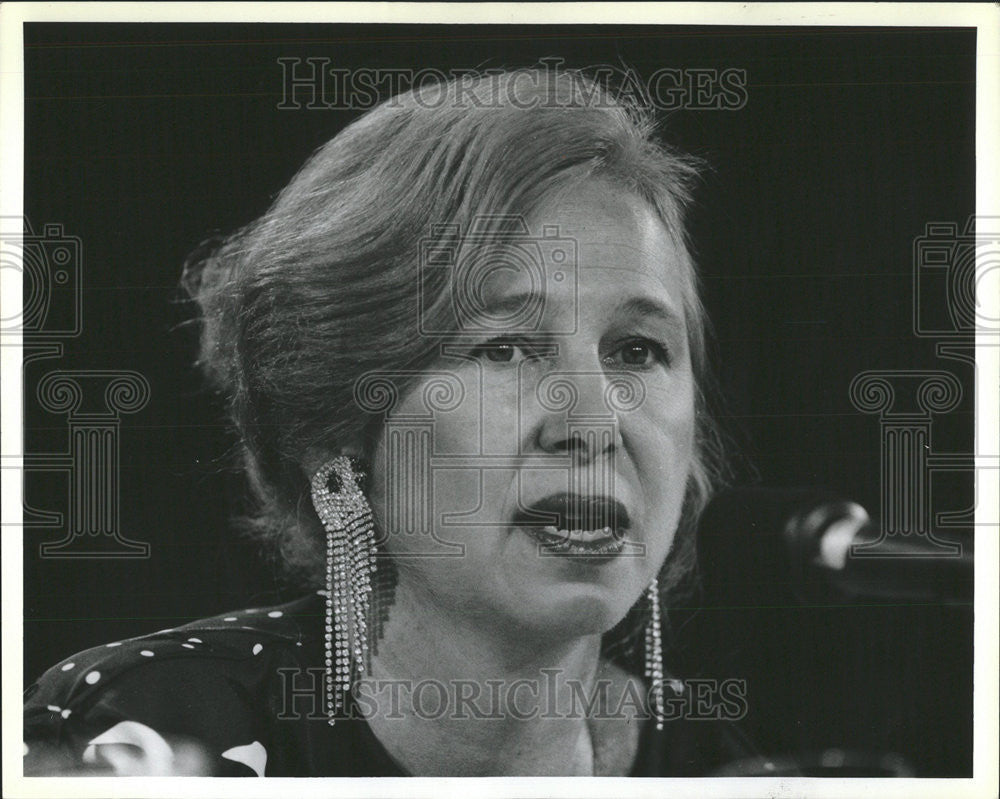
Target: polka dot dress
x,y
241,695
203,699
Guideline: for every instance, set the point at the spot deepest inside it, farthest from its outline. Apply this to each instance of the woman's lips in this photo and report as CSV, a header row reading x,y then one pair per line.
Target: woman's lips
x,y
575,512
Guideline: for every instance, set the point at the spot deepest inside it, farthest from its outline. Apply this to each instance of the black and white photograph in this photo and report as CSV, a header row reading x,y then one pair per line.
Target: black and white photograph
x,y
515,391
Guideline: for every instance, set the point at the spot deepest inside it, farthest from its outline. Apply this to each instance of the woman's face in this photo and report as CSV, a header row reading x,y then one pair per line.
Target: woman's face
x,y
548,487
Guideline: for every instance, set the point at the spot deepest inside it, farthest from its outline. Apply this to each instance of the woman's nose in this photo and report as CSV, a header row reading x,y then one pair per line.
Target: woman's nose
x,y
578,415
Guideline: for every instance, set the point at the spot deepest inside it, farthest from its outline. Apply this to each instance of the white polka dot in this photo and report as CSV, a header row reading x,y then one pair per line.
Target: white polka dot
x,y
252,755
298,643
188,646
67,666
275,614
146,653
93,677
195,640
53,708
257,649
65,713
230,618
114,643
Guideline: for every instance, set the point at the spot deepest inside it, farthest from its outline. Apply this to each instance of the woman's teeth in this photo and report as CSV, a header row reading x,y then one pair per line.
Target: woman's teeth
x,y
579,536
601,541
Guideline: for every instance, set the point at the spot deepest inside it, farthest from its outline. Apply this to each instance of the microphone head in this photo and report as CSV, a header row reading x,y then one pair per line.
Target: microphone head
x,y
763,546
759,545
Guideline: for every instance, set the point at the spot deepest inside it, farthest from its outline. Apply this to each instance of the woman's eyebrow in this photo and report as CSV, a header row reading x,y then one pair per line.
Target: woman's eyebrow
x,y
647,306
510,303
519,308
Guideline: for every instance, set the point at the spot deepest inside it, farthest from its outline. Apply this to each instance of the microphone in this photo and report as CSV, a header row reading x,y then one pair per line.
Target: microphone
x,y
760,544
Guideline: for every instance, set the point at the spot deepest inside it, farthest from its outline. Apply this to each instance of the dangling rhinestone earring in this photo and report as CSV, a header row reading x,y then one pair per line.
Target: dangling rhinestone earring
x,y
654,651
350,561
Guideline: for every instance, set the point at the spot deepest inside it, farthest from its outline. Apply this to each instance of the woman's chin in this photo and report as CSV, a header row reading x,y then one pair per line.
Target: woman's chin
x,y
574,610
575,594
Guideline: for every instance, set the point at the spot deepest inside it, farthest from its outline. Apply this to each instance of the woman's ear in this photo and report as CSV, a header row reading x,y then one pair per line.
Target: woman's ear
x,y
315,458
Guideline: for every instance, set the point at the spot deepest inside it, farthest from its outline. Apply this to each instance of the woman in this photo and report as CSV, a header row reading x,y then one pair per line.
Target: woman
x,y
462,352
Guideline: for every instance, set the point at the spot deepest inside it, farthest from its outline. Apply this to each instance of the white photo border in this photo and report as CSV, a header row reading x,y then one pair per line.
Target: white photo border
x,y
985,18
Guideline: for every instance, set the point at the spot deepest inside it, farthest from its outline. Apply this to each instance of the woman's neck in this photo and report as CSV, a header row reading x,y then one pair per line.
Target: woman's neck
x,y
451,697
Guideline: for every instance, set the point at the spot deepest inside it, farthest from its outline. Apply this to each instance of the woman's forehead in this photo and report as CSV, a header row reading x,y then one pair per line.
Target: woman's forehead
x,y
594,248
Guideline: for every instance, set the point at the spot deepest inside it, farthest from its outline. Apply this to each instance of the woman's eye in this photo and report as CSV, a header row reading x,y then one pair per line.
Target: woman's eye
x,y
636,354
498,351
640,353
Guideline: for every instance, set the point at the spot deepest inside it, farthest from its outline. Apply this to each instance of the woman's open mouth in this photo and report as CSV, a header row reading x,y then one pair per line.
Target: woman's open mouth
x,y
590,528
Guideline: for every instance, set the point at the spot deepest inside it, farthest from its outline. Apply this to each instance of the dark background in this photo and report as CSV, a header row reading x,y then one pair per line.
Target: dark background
x,y
143,140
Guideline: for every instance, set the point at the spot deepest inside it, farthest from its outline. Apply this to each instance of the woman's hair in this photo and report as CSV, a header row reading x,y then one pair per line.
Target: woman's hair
x,y
328,284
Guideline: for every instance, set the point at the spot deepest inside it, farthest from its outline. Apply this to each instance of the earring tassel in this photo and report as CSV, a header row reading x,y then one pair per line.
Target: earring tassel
x,y
654,652
350,560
